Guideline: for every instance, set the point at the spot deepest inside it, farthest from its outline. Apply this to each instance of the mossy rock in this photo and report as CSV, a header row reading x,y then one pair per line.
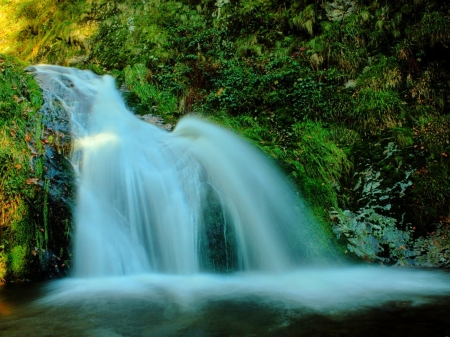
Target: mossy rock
x,y
31,242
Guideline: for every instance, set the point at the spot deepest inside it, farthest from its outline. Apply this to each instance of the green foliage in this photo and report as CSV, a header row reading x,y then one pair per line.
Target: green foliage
x,y
20,97
372,236
381,75
17,261
433,29
263,86
54,31
150,97
306,19
318,162
434,249
401,177
372,231
377,110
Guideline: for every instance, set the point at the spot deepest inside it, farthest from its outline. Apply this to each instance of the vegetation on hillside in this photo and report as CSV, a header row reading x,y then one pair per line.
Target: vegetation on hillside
x,y
34,221
20,98
351,98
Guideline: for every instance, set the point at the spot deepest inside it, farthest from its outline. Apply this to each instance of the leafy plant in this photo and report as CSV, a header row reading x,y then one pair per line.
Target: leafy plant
x,y
153,100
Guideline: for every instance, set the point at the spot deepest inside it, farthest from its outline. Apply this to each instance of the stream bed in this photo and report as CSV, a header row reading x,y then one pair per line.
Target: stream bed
x,y
311,303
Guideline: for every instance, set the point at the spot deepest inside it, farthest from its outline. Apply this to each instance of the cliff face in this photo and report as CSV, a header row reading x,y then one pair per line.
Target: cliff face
x,y
349,97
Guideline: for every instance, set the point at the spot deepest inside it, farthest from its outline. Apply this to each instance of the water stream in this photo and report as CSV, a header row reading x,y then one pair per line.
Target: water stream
x,y
145,195
146,263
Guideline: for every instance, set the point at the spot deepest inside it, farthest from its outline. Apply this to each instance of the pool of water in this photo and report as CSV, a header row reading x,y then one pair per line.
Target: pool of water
x,y
311,303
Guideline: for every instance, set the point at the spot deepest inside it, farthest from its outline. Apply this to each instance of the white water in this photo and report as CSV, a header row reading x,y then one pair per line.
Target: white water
x,y
143,192
329,290
142,198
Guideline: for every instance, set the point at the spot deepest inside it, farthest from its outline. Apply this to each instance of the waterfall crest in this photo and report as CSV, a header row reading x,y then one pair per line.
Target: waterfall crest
x,y
145,195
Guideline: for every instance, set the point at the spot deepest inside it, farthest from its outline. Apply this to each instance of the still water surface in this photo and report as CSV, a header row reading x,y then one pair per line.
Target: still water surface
x,y
311,303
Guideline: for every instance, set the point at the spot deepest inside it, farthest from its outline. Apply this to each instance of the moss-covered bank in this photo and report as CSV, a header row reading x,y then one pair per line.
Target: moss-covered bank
x,y
31,247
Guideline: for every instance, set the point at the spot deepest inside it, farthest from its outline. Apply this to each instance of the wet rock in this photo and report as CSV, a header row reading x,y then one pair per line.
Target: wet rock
x,y
156,120
49,140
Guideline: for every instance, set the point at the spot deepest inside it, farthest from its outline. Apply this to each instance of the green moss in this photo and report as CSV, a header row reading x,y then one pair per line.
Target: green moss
x,y
2,266
17,261
21,98
45,211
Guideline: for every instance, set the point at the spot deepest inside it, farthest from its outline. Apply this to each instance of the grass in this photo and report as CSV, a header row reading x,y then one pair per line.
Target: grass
x,y
57,31
20,99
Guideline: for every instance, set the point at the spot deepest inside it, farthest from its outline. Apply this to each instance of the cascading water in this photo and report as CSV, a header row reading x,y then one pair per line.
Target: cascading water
x,y
156,209
143,192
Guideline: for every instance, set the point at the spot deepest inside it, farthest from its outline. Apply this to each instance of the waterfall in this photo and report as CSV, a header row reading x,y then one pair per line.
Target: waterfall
x,y
148,199
157,212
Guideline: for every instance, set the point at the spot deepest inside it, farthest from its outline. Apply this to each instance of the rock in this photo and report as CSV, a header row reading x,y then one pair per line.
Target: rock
x,y
156,120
